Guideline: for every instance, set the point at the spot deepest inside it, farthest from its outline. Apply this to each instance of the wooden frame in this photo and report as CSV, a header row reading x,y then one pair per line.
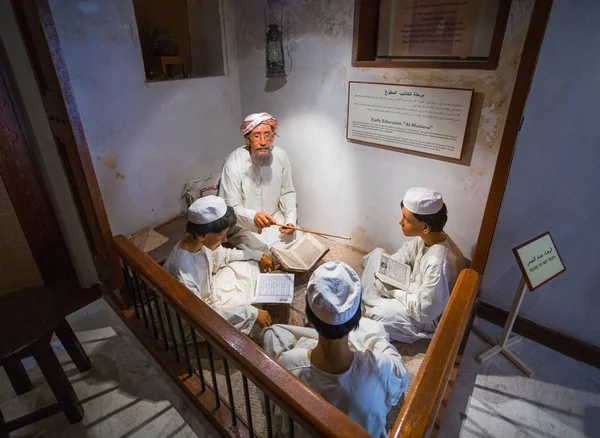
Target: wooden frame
x,y
524,270
41,38
529,57
401,149
419,412
364,47
27,191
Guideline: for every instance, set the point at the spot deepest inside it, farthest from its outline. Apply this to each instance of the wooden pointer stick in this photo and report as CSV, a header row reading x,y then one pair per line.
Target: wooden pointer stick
x,y
313,232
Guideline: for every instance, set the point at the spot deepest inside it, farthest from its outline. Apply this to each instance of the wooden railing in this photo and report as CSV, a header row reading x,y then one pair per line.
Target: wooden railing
x,y
424,397
162,304
157,297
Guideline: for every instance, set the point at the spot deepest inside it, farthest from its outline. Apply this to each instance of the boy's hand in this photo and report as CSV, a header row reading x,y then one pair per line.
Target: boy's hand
x,y
265,263
263,319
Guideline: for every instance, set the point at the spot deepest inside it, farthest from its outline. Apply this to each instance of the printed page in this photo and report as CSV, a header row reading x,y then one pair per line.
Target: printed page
x,y
274,288
287,257
309,249
394,270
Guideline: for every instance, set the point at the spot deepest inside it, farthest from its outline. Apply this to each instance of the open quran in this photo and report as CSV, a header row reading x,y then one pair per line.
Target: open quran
x,y
393,272
302,256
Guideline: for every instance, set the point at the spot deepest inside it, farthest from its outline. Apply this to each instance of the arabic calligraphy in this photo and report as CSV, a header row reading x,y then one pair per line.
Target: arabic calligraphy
x,y
402,106
403,93
539,260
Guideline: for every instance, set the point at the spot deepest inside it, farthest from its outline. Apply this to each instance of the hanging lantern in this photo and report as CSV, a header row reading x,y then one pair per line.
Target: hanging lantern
x,y
275,56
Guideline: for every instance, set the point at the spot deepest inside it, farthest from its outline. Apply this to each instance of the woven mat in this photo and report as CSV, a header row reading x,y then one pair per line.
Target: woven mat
x,y
148,240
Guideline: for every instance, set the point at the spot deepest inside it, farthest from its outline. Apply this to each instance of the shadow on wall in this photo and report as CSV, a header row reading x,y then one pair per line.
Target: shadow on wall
x,y
274,84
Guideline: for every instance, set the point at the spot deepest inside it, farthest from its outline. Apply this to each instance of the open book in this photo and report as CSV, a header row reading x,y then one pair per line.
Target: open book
x,y
274,288
301,256
393,272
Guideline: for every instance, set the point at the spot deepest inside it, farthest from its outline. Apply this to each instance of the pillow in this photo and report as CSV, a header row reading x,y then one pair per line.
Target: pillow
x,y
201,187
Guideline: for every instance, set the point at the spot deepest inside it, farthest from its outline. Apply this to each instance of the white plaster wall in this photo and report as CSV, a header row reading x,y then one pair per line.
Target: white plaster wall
x,y
146,139
353,189
554,179
46,153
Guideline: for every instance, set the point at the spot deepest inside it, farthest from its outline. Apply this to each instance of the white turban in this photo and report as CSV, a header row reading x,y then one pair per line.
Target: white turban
x,y
206,210
253,120
422,200
334,292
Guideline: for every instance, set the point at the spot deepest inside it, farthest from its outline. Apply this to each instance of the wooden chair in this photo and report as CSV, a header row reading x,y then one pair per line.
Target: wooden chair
x,y
167,63
28,318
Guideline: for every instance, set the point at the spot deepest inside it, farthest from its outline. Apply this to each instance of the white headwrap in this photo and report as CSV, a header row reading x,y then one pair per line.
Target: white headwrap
x,y
206,210
253,120
422,200
334,292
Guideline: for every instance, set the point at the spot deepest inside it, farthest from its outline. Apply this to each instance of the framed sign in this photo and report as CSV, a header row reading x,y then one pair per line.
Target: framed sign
x,y
429,33
539,260
429,120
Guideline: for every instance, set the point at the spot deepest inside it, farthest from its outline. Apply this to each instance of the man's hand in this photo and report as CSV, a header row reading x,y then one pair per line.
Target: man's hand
x,y
263,319
262,219
265,263
283,230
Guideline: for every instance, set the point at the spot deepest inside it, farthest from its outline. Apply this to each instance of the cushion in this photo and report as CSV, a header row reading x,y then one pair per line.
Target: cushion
x,y
201,187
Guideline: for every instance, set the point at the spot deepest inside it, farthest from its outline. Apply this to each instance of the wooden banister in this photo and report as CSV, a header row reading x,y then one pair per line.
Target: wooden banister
x,y
417,417
305,406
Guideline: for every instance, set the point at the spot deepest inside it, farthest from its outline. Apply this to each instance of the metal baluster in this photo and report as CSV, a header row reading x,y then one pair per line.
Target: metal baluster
x,y
214,375
200,372
150,311
130,290
291,425
137,289
230,392
186,353
269,424
248,408
161,322
171,331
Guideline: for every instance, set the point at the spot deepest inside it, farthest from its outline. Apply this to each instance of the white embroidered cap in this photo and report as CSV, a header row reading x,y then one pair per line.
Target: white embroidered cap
x,y
334,292
206,210
422,200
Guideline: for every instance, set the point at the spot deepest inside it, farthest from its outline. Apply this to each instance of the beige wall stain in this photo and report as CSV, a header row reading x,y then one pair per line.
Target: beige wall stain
x,y
109,161
342,78
360,239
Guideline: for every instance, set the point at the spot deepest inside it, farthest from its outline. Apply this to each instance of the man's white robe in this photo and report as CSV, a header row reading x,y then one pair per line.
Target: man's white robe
x,y
412,314
250,189
225,279
365,392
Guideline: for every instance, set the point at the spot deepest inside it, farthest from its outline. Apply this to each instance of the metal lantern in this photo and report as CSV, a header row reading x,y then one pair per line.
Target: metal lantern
x,y
275,56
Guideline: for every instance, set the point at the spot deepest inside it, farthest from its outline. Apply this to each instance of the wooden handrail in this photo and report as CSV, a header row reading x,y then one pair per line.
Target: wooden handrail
x,y
317,416
423,400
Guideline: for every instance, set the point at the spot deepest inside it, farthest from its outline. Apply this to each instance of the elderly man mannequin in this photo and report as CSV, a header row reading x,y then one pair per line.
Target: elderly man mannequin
x,y
412,314
257,182
223,278
347,359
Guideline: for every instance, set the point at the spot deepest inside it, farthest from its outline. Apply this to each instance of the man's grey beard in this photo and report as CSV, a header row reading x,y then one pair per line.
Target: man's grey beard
x,y
262,159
